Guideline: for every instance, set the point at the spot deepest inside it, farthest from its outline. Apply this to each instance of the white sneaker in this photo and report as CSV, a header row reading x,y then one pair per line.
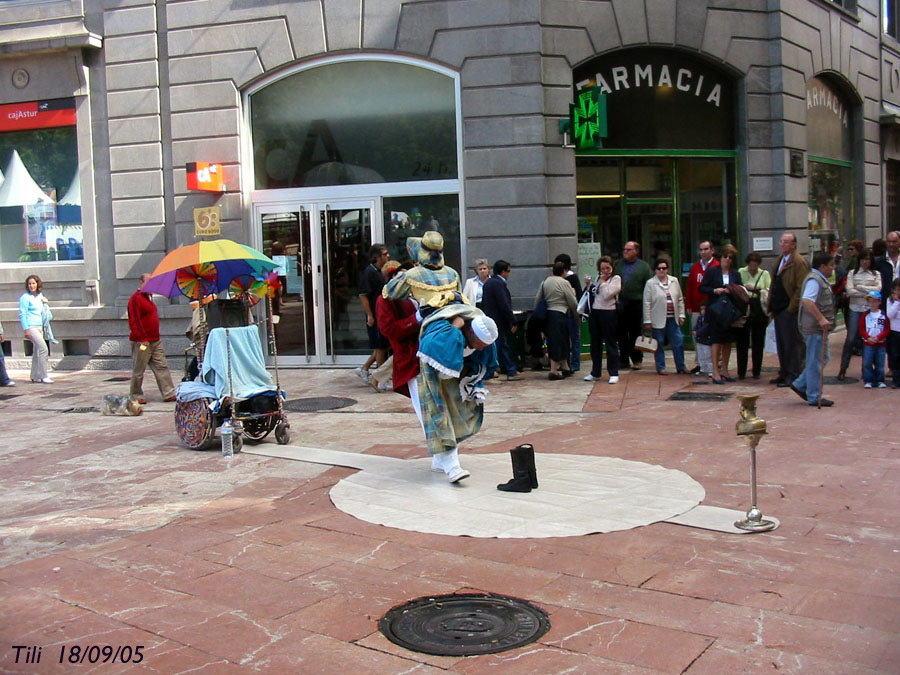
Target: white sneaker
x,y
867,385
364,375
590,378
10,384
47,380
882,385
614,379
457,473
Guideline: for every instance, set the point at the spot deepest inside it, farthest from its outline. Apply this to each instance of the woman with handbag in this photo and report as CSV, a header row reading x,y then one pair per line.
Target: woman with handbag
x,y
715,283
752,335
603,321
560,297
33,314
859,284
664,315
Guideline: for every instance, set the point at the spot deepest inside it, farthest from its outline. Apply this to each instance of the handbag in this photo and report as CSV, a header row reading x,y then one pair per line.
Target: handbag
x,y
584,304
723,311
540,309
645,343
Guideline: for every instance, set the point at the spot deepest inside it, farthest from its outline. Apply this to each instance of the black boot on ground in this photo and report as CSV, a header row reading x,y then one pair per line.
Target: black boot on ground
x,y
527,451
524,472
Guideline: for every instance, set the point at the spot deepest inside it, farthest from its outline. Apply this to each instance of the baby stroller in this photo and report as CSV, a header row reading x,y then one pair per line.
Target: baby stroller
x,y
235,385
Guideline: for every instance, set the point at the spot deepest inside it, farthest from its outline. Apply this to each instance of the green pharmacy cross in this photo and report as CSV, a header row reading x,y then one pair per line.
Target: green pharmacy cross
x,y
587,119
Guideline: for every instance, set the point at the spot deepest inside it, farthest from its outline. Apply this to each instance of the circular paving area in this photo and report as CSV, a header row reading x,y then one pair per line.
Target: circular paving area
x,y
578,495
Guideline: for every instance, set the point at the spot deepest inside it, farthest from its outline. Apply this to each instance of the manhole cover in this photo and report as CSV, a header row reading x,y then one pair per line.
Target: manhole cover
x,y
832,379
80,410
317,404
117,379
699,396
464,625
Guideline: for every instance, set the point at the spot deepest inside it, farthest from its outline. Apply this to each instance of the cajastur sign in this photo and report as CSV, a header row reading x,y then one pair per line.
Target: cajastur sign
x,y
57,112
661,98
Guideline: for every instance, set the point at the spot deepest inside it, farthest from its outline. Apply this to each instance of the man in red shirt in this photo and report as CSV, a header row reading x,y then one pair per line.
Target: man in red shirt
x,y
146,347
693,297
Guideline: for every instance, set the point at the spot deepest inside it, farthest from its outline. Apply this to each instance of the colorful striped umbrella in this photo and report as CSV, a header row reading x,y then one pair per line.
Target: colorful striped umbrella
x,y
206,267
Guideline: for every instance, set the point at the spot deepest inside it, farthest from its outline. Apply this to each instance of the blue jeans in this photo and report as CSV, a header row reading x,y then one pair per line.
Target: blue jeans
x,y
575,336
4,378
504,356
673,332
852,337
873,364
809,379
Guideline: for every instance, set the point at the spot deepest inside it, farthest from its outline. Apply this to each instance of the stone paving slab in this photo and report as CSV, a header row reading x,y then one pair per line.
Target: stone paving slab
x,y
114,534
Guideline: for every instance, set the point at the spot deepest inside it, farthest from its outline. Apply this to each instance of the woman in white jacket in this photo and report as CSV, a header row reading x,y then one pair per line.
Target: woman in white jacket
x,y
474,286
859,283
664,314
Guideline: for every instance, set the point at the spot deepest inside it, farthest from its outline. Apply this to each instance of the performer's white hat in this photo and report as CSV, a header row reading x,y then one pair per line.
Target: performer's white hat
x,y
485,329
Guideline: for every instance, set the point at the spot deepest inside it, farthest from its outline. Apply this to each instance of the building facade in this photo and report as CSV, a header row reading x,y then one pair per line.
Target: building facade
x,y
519,129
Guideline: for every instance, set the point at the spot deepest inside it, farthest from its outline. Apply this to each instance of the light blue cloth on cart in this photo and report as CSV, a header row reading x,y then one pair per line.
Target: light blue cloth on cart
x,y
249,376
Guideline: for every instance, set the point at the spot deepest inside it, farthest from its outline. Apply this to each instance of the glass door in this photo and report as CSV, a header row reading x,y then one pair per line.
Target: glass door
x,y
345,231
287,239
650,208
321,248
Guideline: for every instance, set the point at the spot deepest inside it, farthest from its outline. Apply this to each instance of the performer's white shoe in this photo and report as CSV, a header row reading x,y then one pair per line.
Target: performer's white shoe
x,y
448,462
457,474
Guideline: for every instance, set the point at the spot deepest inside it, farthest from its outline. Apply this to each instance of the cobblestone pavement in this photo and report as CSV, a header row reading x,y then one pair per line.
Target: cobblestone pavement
x,y
113,533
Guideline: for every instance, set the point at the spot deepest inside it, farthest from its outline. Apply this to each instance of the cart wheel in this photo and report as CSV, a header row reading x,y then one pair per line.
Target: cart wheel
x,y
237,443
257,429
283,433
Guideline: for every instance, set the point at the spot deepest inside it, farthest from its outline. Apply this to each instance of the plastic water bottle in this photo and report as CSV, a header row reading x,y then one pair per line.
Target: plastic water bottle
x,y
227,440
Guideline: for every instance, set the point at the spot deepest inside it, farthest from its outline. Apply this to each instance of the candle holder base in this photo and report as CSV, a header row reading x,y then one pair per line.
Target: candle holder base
x,y
754,522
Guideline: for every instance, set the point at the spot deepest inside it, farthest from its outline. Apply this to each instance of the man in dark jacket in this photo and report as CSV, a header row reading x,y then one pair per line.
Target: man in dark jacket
x,y
496,301
788,276
634,273
888,265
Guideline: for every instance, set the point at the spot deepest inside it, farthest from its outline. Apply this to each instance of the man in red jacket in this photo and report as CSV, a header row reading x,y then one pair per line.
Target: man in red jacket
x,y
693,297
146,347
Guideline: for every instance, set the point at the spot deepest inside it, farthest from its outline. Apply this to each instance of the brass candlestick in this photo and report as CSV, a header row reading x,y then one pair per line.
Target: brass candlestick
x,y
752,428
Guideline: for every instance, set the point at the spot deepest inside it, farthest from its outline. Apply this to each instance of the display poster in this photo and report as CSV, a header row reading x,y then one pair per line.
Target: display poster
x,y
294,280
588,253
282,262
39,218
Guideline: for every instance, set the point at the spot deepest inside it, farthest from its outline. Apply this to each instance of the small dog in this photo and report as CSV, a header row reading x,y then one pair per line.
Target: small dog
x,y
121,405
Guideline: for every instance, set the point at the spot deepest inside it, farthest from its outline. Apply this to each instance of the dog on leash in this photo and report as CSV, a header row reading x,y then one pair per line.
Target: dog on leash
x,y
121,405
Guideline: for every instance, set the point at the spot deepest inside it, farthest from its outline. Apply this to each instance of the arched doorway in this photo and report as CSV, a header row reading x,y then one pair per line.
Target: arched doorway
x,y
348,152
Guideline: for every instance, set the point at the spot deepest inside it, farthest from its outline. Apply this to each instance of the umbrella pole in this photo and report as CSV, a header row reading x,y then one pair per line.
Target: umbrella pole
x,y
270,326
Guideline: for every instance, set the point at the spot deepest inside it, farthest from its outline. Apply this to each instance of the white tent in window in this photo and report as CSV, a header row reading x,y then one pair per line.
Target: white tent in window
x,y
73,194
19,188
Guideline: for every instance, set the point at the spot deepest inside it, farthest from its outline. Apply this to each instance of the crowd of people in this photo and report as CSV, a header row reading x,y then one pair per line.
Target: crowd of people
x,y
632,307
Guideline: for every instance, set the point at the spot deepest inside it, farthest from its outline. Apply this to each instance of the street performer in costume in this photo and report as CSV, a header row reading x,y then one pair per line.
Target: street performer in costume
x,y
431,283
456,352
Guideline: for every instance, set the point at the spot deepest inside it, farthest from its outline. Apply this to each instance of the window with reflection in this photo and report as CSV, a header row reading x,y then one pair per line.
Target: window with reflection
x,y
406,217
354,122
40,193
829,165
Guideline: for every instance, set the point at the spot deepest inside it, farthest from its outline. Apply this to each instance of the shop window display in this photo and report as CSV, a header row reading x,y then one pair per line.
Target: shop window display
x,y
831,176
40,196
